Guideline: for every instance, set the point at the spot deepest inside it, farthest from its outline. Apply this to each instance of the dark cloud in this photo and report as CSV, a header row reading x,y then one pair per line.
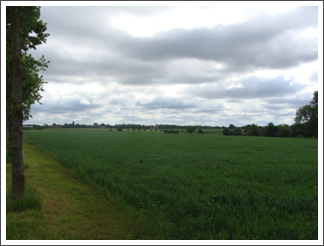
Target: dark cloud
x,y
214,111
264,41
63,106
117,101
253,87
161,102
289,103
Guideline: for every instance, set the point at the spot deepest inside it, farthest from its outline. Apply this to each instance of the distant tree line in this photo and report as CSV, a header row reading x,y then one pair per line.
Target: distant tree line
x,y
306,124
171,131
270,130
129,126
233,131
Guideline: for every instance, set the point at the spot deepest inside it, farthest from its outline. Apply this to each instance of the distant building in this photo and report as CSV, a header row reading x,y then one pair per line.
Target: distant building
x,y
156,126
54,126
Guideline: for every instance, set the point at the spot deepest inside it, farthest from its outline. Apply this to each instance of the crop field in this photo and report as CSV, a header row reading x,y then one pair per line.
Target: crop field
x,y
196,186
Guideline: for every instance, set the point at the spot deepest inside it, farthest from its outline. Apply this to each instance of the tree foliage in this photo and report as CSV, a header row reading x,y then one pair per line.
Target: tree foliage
x,y
237,131
284,131
270,130
191,129
226,132
306,119
277,131
253,131
32,33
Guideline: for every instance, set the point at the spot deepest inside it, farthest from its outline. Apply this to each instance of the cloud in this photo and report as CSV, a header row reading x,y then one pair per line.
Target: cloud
x,y
253,87
314,77
258,68
294,102
177,55
64,105
160,102
249,43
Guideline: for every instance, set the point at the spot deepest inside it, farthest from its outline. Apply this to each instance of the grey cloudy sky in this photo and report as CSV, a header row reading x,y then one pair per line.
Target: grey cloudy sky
x,y
201,65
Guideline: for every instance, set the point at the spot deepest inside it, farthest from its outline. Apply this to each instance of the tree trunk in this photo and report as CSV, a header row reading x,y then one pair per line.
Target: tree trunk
x,y
16,133
8,120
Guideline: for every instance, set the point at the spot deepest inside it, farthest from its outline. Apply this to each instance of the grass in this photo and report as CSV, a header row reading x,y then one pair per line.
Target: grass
x,y
192,186
69,208
30,200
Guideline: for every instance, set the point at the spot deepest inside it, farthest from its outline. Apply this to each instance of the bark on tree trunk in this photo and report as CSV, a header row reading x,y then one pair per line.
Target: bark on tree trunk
x,y
8,120
16,133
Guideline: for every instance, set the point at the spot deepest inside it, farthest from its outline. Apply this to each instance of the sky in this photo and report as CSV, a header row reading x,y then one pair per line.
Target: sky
x,y
194,63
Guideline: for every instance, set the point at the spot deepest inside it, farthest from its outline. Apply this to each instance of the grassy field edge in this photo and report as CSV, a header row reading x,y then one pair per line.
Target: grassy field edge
x,y
70,208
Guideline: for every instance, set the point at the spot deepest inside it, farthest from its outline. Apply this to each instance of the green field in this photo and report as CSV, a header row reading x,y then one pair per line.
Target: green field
x,y
195,186
208,130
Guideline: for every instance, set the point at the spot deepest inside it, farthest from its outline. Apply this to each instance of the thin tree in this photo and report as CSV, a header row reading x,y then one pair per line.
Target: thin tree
x,y
20,22
15,136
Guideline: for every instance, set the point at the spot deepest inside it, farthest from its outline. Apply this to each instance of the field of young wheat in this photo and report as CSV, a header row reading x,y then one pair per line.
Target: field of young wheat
x,y
196,186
